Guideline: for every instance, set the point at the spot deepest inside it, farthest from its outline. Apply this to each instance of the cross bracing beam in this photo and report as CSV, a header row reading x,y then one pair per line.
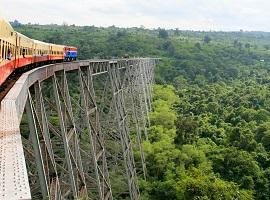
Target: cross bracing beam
x,y
70,130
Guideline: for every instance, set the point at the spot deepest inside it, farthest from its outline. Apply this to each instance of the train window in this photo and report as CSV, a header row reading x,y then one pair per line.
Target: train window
x,y
0,50
23,52
3,50
5,56
12,49
6,50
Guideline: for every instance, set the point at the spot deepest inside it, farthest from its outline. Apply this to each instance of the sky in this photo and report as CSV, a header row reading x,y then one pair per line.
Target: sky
x,y
215,15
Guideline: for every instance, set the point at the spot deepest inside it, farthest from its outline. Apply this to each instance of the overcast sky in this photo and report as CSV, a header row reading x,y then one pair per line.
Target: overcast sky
x,y
183,14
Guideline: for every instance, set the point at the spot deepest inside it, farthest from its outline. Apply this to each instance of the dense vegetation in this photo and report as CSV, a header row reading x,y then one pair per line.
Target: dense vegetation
x,y
210,126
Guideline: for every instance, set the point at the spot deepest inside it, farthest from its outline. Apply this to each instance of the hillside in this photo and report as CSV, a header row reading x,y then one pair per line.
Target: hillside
x,y
210,131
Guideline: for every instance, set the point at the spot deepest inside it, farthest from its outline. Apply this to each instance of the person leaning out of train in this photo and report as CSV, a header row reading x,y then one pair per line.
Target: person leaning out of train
x,y
9,55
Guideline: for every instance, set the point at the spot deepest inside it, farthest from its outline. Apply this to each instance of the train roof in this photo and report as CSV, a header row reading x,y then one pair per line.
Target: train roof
x,y
40,42
6,30
45,43
4,21
72,47
22,35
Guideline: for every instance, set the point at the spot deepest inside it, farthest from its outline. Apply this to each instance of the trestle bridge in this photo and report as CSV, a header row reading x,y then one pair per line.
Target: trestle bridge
x,y
75,130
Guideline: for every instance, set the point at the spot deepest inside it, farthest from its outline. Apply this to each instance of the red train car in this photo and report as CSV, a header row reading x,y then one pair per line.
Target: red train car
x,y
18,51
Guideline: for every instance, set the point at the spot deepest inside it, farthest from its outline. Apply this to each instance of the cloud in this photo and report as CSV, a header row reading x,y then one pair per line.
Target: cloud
x,y
183,14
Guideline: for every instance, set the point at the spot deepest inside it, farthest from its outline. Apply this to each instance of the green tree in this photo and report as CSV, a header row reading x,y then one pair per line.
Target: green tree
x,y
207,39
163,33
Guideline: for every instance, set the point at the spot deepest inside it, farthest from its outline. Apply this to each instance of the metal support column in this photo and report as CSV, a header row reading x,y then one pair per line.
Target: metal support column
x,y
36,146
134,107
69,135
123,129
91,119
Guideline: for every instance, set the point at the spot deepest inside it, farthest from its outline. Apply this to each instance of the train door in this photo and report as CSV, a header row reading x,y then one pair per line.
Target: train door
x,y
50,52
32,52
18,47
35,52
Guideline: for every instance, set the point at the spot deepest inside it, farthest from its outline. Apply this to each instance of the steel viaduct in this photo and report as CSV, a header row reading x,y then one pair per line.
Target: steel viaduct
x,y
75,130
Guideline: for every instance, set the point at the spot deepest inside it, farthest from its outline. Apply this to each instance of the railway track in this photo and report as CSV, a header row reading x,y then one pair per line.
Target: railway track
x,y
8,84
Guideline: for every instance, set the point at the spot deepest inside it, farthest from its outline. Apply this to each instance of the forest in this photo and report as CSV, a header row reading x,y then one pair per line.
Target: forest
x,y
210,126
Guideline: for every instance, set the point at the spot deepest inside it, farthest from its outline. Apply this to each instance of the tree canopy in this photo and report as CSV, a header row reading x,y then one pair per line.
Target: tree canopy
x,y
210,127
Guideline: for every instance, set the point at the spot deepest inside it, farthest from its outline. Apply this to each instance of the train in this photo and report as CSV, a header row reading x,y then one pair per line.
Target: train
x,y
18,51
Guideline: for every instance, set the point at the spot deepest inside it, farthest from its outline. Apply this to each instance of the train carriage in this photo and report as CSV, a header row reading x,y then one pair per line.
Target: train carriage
x,y
7,43
41,51
57,52
19,51
70,53
24,50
